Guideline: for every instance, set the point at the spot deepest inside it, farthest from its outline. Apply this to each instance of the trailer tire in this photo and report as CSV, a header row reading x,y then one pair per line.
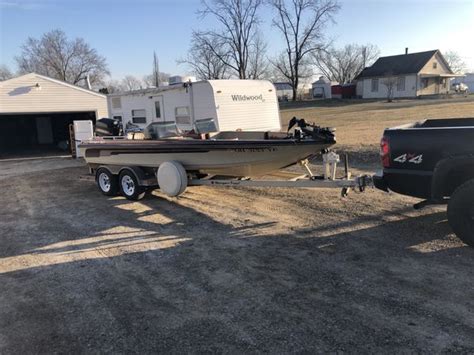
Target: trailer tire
x,y
106,182
172,178
129,185
461,212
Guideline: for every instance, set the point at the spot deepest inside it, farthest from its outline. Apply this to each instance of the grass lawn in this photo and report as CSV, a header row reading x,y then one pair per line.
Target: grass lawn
x,y
359,125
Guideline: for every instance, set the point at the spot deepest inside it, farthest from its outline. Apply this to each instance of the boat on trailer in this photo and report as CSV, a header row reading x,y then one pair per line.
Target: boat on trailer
x,y
238,154
171,161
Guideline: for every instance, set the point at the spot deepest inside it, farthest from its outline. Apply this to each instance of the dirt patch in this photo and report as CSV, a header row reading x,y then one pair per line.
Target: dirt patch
x,y
227,270
20,166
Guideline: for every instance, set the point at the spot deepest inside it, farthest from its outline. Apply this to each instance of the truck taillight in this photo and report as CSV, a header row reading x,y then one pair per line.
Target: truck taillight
x,y
385,152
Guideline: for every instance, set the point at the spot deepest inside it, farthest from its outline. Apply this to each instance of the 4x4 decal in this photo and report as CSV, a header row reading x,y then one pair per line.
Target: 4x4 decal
x,y
409,158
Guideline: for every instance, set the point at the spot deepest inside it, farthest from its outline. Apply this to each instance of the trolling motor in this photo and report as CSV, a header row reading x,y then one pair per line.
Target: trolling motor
x,y
311,130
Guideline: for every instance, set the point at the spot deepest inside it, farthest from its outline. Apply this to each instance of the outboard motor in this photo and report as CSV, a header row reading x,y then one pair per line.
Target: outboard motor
x,y
310,130
108,127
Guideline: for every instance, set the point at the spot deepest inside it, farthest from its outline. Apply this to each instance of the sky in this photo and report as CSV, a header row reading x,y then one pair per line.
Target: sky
x,y
127,32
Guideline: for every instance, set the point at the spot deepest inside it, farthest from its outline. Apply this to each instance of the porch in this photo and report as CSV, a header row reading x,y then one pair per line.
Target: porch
x,y
434,84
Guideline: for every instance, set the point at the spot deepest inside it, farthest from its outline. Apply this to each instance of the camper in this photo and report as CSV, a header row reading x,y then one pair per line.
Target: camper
x,y
228,105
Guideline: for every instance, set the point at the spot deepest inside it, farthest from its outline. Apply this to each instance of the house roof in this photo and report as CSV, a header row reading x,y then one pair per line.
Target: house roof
x,y
34,75
283,86
398,64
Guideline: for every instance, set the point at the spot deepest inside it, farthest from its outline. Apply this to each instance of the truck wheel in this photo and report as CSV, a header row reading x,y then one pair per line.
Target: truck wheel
x,y
107,182
461,212
129,186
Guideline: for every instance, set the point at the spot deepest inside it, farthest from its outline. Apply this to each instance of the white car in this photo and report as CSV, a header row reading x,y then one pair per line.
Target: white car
x,y
460,88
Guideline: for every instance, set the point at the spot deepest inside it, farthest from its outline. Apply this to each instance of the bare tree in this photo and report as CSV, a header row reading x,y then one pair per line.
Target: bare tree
x,y
5,73
390,81
56,56
302,24
258,63
455,62
282,73
343,65
234,44
149,81
206,58
110,86
130,83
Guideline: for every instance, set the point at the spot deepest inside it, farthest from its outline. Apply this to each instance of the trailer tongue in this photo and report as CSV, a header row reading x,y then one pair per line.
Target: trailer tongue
x,y
309,180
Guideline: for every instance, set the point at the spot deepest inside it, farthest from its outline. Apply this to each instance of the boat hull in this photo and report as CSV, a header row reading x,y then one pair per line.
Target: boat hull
x,y
228,158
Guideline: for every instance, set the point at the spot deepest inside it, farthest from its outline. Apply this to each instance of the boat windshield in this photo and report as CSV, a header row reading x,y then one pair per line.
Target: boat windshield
x,y
158,130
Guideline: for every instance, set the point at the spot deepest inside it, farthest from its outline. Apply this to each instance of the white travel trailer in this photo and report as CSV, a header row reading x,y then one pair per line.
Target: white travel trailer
x,y
232,105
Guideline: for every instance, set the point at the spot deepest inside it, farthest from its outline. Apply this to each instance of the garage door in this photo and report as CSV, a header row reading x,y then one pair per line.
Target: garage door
x,y
37,134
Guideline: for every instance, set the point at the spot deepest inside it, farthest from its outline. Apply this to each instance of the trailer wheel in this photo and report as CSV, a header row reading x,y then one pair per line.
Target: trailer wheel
x,y
461,212
107,182
129,186
172,178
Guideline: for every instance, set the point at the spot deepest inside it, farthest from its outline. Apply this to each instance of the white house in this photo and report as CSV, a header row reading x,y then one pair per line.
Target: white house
x,y
36,111
411,75
231,104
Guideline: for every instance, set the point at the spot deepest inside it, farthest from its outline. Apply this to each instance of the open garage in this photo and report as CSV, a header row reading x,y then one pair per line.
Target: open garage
x,y
36,111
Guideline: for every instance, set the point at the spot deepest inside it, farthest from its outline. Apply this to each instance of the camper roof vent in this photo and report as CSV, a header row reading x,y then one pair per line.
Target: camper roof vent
x,y
179,79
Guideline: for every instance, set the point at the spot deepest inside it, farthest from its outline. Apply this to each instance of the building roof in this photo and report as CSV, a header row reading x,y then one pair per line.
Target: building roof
x,y
34,75
283,86
398,64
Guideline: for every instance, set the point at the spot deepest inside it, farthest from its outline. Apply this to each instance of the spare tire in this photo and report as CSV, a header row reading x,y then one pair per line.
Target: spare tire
x,y
172,178
461,212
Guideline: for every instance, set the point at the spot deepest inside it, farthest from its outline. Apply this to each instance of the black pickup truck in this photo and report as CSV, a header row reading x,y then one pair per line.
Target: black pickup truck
x,y
434,161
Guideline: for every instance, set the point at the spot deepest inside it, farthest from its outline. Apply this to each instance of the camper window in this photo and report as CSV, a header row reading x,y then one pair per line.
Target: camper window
x,y
182,115
116,103
139,116
157,109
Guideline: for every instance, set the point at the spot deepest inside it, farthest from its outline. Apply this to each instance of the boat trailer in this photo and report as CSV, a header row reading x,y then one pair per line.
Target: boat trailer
x,y
172,179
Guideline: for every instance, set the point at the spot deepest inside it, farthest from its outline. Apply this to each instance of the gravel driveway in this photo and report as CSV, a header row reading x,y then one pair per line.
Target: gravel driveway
x,y
226,270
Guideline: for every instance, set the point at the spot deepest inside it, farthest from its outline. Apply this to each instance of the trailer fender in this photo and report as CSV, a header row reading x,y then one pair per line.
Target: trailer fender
x,y
442,175
136,171
103,167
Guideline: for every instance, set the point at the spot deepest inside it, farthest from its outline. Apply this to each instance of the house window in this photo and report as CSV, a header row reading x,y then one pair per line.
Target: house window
x,y
116,103
118,118
138,116
424,83
435,65
443,82
157,109
375,85
182,115
401,83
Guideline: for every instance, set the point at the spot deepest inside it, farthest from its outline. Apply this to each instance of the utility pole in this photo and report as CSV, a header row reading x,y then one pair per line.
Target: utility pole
x,y
364,57
156,70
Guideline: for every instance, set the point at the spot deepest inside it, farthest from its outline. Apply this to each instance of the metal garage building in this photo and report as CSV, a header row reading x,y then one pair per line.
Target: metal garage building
x,y
35,113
